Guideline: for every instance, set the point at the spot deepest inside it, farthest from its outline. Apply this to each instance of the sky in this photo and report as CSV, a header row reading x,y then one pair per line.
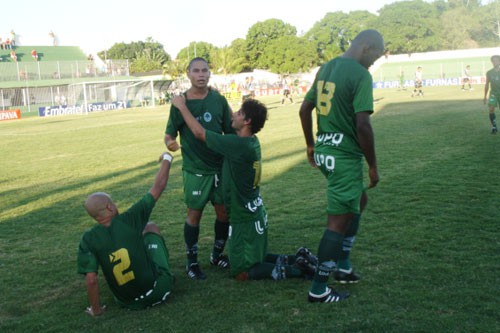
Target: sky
x,y
96,25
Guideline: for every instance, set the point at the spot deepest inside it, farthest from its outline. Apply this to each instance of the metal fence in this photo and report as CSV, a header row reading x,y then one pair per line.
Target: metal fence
x,y
58,70
85,96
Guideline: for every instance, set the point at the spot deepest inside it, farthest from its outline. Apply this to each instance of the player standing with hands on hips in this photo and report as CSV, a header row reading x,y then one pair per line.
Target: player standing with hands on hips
x,y
342,94
200,165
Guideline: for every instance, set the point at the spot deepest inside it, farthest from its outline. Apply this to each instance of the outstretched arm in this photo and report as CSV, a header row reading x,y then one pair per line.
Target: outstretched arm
x,y
195,127
162,176
306,120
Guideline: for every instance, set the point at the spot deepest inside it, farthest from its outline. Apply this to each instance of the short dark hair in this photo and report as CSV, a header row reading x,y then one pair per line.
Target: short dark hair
x,y
495,56
194,60
255,111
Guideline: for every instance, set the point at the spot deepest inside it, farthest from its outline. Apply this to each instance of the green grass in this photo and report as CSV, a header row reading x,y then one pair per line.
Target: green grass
x,y
432,69
427,248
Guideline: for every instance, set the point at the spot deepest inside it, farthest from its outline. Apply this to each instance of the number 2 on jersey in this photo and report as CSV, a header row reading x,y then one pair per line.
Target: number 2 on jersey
x,y
121,260
325,95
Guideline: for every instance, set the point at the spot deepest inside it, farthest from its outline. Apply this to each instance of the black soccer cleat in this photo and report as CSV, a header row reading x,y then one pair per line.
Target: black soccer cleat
x,y
221,261
330,296
346,278
194,272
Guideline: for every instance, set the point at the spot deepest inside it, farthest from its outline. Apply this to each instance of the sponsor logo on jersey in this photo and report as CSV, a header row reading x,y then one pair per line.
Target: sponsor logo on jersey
x,y
330,139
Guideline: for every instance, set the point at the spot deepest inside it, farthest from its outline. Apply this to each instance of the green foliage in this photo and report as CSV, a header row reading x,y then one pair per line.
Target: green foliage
x,y
147,60
407,27
289,54
132,50
410,26
196,49
261,34
426,248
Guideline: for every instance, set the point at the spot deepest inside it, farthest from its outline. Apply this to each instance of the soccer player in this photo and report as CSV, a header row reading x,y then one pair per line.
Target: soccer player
x,y
493,86
201,166
130,251
342,94
418,82
241,175
466,78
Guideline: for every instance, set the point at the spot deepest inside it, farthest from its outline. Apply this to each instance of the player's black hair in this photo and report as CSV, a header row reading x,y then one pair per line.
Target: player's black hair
x,y
256,111
495,56
194,60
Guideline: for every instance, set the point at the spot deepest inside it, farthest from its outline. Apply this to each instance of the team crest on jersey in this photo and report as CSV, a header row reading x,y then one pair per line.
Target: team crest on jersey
x,y
207,116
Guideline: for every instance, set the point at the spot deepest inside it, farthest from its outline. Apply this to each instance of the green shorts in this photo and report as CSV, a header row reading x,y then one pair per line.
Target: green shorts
x,y
493,100
163,285
247,244
344,176
199,189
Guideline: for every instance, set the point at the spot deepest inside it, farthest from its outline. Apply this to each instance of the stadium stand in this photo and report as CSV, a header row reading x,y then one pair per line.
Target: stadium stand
x,y
45,53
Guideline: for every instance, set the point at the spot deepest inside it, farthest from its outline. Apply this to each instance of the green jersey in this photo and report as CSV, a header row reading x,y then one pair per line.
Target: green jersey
x,y
341,88
241,173
120,251
214,114
494,77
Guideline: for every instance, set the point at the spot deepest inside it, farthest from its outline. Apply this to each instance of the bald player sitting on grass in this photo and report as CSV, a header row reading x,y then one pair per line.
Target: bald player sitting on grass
x,y
128,248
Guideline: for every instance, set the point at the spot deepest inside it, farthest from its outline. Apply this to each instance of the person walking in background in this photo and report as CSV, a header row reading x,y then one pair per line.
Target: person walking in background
x,y
129,249
493,87
241,173
418,83
201,166
342,94
466,78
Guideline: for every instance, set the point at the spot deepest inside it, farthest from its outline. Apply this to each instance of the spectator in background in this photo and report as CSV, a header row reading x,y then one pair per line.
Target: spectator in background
x,y
53,37
2,44
12,37
13,55
8,44
34,54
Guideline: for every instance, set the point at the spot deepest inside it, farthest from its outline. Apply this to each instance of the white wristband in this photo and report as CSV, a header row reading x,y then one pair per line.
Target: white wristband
x,y
167,157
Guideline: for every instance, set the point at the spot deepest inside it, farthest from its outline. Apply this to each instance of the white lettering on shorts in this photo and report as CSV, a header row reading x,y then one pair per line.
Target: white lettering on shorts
x,y
328,161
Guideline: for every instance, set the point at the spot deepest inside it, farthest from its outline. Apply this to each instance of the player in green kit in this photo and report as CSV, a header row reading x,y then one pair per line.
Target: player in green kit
x,y
241,173
201,166
342,95
493,86
130,251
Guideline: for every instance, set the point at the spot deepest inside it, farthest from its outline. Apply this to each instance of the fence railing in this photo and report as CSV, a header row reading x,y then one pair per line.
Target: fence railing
x,y
58,70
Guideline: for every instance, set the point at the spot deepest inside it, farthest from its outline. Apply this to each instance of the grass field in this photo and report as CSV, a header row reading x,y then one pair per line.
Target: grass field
x,y
427,249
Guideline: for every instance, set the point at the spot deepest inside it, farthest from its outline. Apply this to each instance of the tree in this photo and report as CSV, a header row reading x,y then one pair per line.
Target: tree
x,y
196,49
261,34
132,50
289,54
337,28
147,60
410,26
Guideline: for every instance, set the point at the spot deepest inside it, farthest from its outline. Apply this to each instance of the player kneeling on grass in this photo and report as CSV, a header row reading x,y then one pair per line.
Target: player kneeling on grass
x,y
241,173
130,251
